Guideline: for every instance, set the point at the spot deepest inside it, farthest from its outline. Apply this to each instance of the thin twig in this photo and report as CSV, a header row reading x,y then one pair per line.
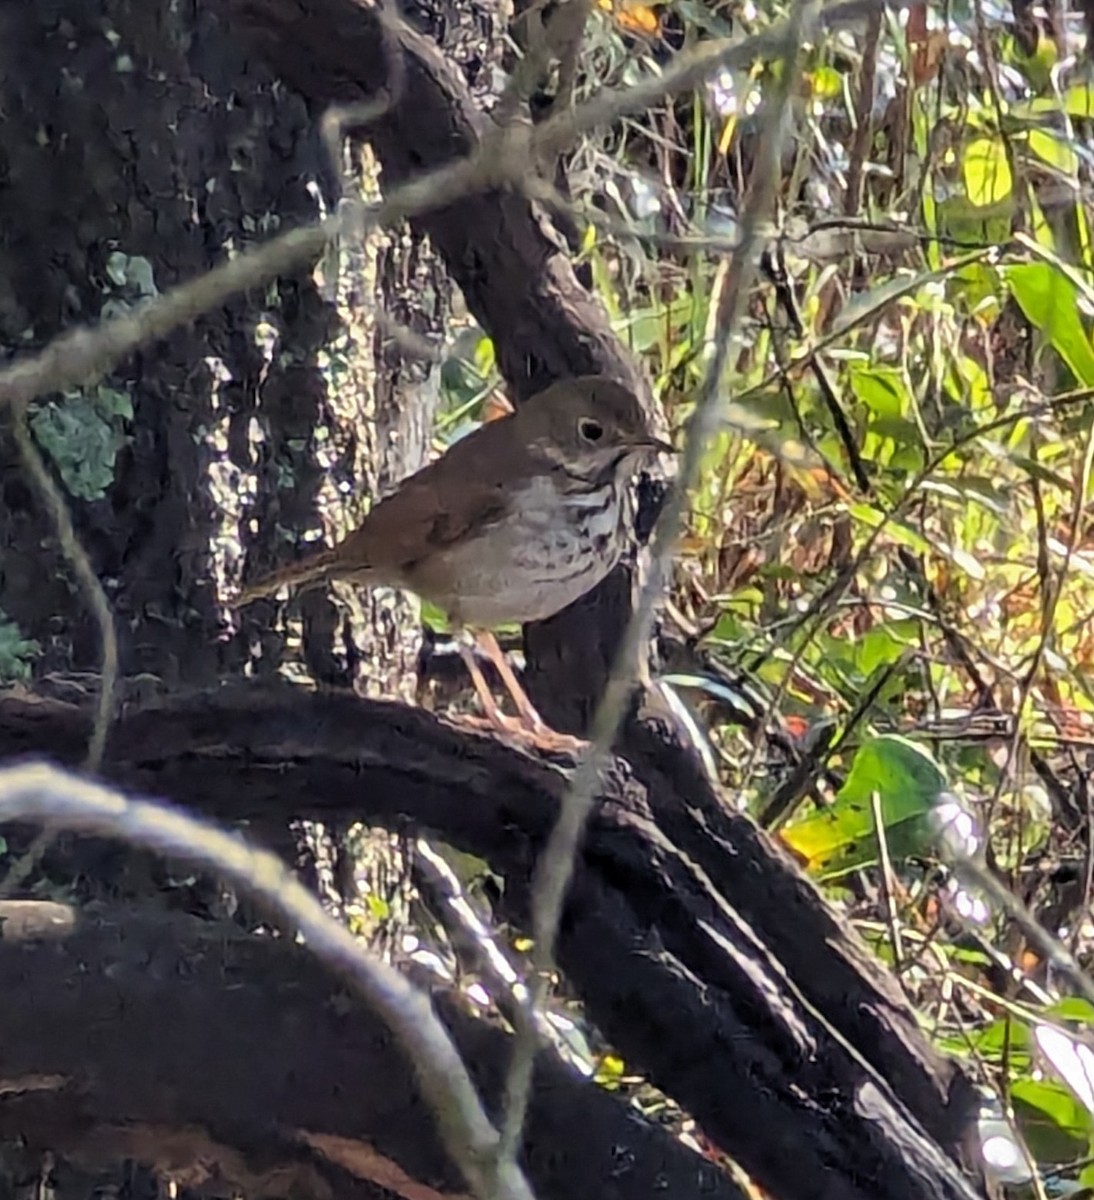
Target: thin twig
x,y
974,875
556,865
77,557
40,792
82,356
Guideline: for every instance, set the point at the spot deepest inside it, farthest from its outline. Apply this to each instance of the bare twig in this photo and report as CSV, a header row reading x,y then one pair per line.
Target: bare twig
x,y
556,866
78,560
83,356
976,876
43,793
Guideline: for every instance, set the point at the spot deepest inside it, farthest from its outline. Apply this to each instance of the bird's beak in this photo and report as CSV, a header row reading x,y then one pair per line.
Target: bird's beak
x,y
658,444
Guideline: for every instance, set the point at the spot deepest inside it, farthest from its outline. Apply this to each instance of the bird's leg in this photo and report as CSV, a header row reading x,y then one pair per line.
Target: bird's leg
x,y
482,689
528,715
531,722
530,726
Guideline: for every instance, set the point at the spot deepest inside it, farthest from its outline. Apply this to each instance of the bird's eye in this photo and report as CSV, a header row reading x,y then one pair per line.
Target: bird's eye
x,y
590,430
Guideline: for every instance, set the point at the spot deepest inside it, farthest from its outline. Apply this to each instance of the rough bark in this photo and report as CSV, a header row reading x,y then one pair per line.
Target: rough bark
x,y
699,950
140,128
226,1060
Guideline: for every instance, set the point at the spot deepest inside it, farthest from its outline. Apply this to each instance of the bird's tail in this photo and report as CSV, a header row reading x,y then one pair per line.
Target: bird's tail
x,y
309,572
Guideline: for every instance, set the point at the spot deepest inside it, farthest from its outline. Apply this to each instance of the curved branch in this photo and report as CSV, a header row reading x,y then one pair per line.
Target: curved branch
x,y
701,953
199,1050
43,793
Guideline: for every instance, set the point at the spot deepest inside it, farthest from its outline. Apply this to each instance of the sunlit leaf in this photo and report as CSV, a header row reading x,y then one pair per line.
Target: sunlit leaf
x,y
825,83
1050,301
1072,1008
874,518
986,171
842,837
1079,100
632,16
1054,150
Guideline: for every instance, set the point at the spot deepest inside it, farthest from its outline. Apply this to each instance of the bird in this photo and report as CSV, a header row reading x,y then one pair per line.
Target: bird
x,y
512,524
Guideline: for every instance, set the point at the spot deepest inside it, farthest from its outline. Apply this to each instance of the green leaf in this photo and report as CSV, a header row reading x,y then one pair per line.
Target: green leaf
x,y
874,517
1050,301
1056,1127
16,652
1072,1008
1079,101
842,838
1055,151
882,389
986,171
1004,1037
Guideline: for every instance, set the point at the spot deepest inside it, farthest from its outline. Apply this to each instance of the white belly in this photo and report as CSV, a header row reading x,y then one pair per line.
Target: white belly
x,y
528,566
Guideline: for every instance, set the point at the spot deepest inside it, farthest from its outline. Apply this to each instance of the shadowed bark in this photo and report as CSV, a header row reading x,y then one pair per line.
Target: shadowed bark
x,y
698,949
226,1060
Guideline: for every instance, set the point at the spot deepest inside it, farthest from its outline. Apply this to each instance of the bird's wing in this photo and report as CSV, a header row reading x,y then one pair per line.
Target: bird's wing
x,y
438,506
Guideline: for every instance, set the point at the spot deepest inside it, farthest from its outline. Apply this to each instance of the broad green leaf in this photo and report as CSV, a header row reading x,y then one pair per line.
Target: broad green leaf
x,y
1079,100
1002,1037
1055,151
1056,1127
842,838
1051,302
1072,1008
879,648
882,389
986,171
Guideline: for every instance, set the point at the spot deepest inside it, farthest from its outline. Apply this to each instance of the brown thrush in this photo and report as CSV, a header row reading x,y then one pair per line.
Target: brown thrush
x,y
512,524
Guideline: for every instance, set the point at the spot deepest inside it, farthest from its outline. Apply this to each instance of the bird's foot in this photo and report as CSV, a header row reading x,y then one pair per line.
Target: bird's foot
x,y
529,727
541,737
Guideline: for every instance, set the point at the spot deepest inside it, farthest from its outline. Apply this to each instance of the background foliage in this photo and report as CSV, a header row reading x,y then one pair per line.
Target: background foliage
x,y
883,614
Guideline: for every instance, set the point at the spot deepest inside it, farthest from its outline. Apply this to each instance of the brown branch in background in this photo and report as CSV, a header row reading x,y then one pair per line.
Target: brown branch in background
x,y
556,867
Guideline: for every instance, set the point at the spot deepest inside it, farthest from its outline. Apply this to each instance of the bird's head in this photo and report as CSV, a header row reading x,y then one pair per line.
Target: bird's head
x,y
590,426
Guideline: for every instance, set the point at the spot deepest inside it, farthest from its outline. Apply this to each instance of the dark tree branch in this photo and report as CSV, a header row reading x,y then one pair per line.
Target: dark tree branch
x,y
223,1058
700,951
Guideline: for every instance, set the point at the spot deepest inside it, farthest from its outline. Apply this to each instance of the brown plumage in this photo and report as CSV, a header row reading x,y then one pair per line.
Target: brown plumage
x,y
513,523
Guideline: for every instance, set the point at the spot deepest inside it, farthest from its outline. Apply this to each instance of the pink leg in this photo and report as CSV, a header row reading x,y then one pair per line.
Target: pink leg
x,y
530,727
